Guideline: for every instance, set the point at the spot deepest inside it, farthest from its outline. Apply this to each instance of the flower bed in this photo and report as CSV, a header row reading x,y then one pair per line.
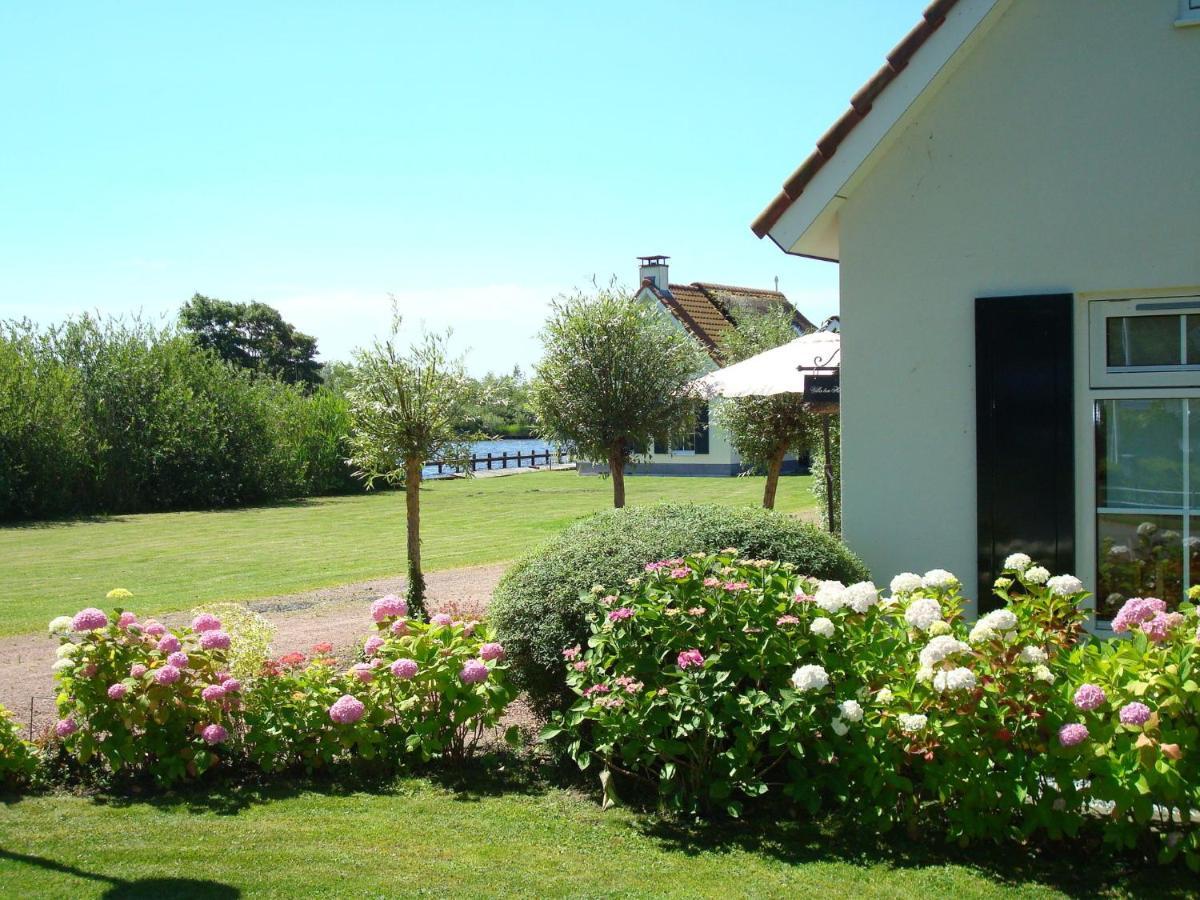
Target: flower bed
x,y
714,681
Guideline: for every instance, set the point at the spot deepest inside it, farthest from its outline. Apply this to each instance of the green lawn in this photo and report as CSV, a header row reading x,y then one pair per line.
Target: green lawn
x,y
174,560
417,837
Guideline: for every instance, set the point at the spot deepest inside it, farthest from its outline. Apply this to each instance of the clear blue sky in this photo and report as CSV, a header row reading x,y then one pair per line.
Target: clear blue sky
x,y
473,159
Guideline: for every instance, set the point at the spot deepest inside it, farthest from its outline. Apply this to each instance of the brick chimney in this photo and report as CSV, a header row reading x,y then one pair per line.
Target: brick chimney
x,y
654,270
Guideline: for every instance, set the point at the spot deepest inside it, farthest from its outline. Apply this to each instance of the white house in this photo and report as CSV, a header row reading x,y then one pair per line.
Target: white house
x,y
1014,204
706,311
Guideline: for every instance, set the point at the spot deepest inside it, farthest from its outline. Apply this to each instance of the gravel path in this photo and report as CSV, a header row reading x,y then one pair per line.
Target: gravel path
x,y
339,615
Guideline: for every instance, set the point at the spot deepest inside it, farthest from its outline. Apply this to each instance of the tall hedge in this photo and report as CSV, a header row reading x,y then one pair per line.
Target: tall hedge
x,y
541,603
115,417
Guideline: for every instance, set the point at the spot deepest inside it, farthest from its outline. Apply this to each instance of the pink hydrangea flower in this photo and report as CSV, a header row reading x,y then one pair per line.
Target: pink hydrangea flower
x,y
137,670
347,710
473,671
802,597
206,622
405,668
214,734
1090,696
213,692
1072,734
440,620
388,607
127,618
690,659
214,640
596,689
491,651
89,619
65,727
168,674
736,585
1137,610
1159,628
572,652
697,611
88,671
371,647
363,672
231,685
787,620
117,691
400,627
1134,714
579,665
629,684
712,582
178,659
168,643
155,629
618,614
681,572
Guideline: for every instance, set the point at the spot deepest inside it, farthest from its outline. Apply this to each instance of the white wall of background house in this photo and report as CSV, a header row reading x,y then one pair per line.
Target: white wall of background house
x,y
1059,153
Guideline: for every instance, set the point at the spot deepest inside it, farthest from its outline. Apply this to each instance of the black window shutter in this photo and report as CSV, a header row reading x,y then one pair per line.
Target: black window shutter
x,y
1025,440
702,429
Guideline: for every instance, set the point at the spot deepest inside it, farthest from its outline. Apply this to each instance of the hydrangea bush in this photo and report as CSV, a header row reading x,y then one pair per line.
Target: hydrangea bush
x,y
18,759
715,680
142,698
425,689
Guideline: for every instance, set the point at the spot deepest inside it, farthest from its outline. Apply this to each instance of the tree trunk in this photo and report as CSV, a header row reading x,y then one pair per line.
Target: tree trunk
x,y
773,467
616,468
412,498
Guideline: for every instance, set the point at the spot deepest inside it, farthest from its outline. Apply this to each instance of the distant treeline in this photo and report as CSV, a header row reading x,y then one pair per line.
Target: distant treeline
x,y
111,416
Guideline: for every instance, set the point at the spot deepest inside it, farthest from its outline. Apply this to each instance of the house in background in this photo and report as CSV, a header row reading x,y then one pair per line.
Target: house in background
x,y
706,312
1014,204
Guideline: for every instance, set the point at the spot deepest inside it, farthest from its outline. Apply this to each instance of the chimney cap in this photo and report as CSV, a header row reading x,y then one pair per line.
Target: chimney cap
x,y
658,260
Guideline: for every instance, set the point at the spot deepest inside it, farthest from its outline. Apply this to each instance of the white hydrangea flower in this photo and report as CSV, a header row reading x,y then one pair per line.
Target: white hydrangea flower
x,y
937,579
911,723
1002,582
1146,529
981,633
905,583
941,648
1018,561
938,628
1122,551
1042,673
851,710
861,596
1064,585
957,679
1033,654
884,695
829,596
1002,620
822,626
923,612
839,727
925,674
60,625
810,678
65,650
1037,575
61,665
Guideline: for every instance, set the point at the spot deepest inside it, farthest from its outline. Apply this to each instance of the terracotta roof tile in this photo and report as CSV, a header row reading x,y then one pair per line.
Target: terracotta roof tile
x,y
860,105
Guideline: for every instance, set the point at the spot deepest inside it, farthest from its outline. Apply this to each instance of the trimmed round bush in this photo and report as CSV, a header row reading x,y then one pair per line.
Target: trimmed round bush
x,y
542,602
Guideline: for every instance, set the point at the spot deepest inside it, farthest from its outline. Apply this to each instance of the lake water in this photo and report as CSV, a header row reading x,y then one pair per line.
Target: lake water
x,y
511,446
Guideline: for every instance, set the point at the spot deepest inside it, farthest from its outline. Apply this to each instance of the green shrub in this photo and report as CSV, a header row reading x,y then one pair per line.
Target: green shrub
x,y
18,761
541,603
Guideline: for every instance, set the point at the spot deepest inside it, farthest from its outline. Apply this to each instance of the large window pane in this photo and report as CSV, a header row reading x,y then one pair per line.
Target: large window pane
x,y
1139,453
1143,341
1138,556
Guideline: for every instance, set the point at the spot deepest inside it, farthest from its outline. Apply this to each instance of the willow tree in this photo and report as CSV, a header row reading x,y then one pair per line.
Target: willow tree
x,y
764,430
615,372
405,406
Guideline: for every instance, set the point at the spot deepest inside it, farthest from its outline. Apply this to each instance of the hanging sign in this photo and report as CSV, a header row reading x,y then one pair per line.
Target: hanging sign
x,y
823,388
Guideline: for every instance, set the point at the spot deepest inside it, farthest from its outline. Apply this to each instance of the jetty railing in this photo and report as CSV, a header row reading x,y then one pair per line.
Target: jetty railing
x,y
487,461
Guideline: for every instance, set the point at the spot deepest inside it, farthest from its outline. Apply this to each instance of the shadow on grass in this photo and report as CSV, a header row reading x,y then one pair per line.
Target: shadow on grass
x,y
1078,868
130,888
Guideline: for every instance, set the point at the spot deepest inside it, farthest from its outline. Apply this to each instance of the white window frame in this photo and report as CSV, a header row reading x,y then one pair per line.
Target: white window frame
x,y
1101,310
1093,382
1189,13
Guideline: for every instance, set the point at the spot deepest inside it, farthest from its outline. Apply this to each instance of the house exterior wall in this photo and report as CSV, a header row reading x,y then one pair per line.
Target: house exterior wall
x,y
1063,156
